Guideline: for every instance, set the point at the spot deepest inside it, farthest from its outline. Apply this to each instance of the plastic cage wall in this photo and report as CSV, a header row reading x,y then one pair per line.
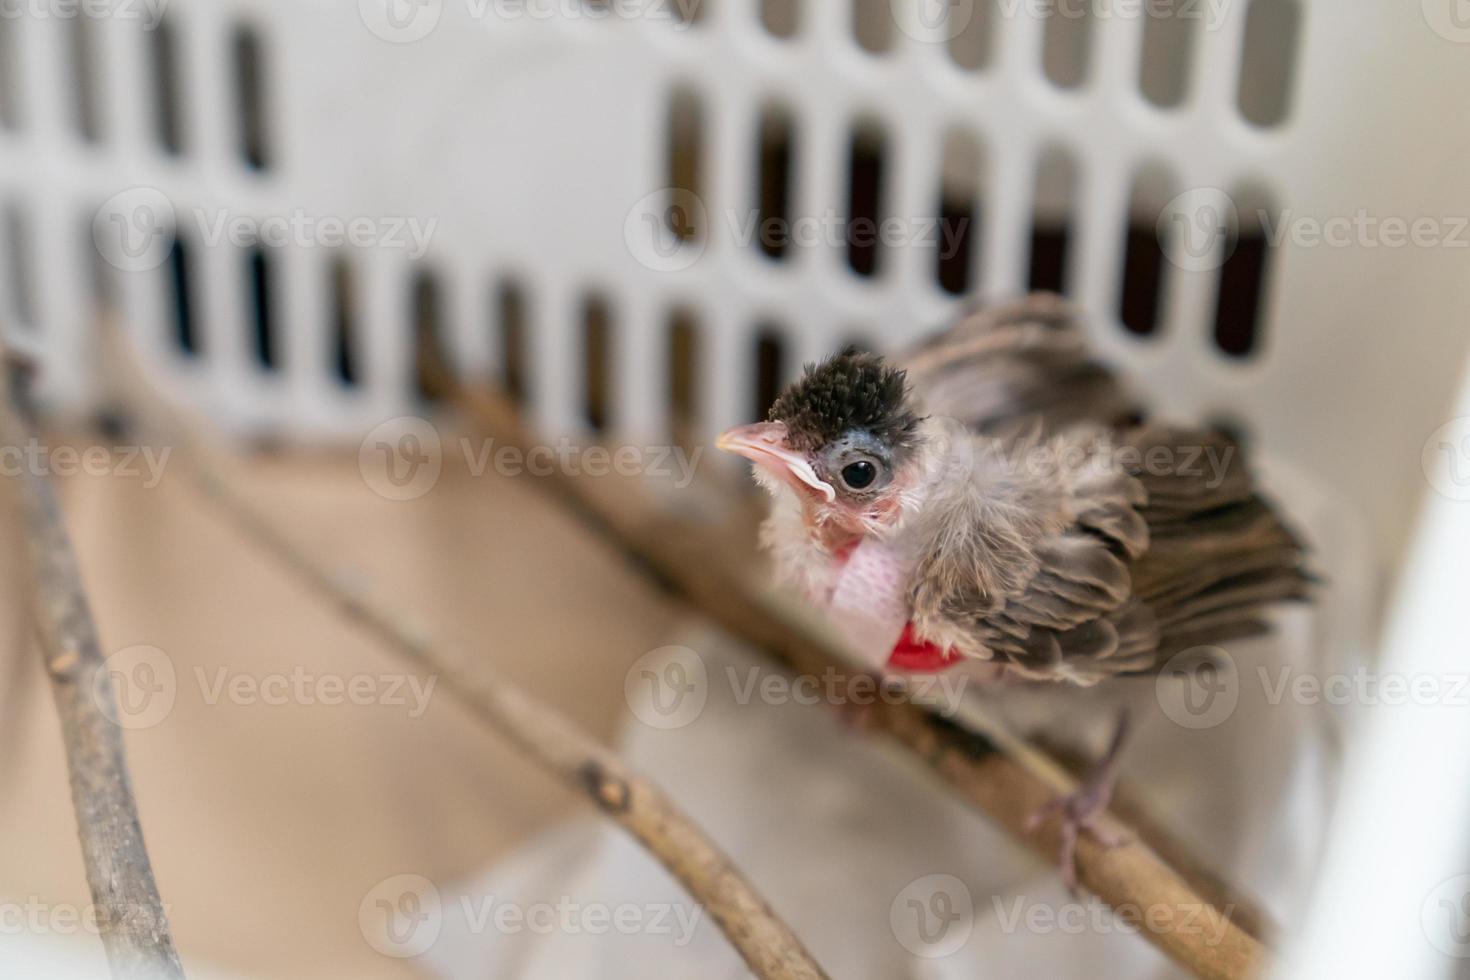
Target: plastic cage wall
x,y
538,148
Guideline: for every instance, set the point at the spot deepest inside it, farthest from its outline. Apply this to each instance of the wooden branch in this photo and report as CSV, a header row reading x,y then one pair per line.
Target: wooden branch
x,y
767,944
130,914
1003,776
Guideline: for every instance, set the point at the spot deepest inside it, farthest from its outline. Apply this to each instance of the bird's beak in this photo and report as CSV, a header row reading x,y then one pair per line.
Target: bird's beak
x,y
764,444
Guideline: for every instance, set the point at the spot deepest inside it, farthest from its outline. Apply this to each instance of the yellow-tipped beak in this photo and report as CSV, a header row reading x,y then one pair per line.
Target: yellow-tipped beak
x,y
764,443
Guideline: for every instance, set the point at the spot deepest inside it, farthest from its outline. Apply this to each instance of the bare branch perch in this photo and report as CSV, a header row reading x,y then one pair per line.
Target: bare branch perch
x,y
1004,777
769,947
130,914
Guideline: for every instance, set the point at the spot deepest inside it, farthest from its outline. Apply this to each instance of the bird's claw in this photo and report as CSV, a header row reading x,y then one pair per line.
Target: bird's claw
x,y
1084,809
1078,812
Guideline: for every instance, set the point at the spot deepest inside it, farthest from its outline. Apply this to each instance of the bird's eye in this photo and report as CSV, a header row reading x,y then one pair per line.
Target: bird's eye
x,y
859,475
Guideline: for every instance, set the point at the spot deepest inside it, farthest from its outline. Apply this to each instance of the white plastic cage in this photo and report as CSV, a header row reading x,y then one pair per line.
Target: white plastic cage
x,y
586,178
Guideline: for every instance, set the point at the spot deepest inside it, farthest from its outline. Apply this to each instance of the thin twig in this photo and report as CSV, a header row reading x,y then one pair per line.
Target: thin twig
x,y
768,946
639,806
1002,775
130,914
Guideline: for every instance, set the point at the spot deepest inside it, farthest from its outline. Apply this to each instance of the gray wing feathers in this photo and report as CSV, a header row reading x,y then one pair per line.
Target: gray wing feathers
x,y
1094,570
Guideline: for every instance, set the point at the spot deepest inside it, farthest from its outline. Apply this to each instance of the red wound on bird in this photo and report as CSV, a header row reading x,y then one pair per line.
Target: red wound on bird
x,y
913,654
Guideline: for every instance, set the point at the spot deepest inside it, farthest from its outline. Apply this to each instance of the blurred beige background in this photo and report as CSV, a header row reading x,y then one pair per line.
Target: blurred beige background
x,y
268,824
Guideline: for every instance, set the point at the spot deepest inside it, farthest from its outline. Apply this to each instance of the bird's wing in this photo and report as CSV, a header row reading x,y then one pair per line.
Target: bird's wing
x,y
1132,547
1034,567
1003,368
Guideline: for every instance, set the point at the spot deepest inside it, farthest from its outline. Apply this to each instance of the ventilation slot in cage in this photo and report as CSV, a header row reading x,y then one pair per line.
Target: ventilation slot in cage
x,y
1268,61
770,368
167,87
1167,53
1051,223
9,89
260,279
683,365
872,25
959,213
1066,48
345,351
971,31
687,13
1245,279
773,190
98,269
597,341
251,99
181,288
685,165
83,53
431,360
866,161
780,18
1144,261
511,313
19,278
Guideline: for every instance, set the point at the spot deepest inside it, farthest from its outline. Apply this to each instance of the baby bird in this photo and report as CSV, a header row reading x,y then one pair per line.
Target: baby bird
x,y
992,495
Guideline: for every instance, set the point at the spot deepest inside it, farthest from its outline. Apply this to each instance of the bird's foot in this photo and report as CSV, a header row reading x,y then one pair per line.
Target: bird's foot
x,y
1084,809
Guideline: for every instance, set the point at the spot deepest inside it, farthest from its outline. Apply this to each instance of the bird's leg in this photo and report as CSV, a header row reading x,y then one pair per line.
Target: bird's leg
x,y
1082,809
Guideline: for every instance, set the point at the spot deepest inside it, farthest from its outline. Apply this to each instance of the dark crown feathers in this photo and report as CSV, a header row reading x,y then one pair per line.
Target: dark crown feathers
x,y
851,390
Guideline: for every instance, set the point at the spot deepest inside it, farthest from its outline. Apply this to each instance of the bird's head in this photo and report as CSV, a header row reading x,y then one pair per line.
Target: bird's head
x,y
843,438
